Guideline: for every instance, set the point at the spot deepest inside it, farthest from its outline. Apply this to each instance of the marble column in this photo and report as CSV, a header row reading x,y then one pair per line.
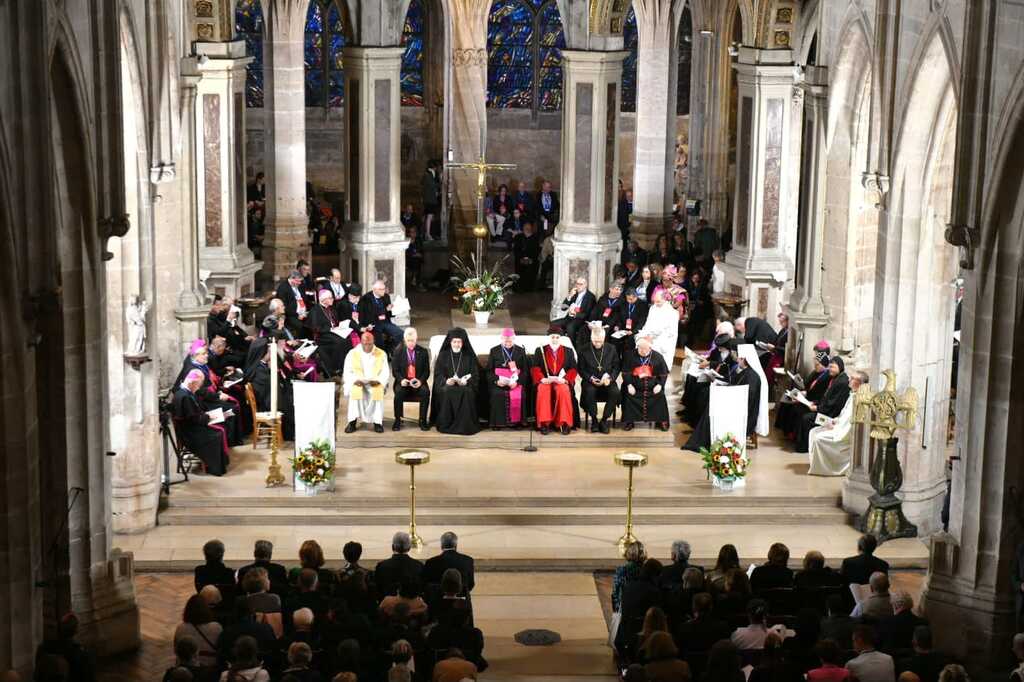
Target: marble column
x,y
760,263
286,239
374,239
653,179
806,308
587,241
220,156
467,112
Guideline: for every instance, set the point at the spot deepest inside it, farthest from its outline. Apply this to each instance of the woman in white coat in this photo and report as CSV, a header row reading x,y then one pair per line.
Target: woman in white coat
x,y
663,327
830,448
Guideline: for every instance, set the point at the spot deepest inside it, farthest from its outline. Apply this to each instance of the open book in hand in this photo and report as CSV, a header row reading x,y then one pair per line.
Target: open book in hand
x,y
691,355
822,420
216,415
798,397
343,330
619,334
233,378
463,380
304,351
764,346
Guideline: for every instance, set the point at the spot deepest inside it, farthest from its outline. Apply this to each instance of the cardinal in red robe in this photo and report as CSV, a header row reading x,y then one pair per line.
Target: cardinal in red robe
x,y
554,379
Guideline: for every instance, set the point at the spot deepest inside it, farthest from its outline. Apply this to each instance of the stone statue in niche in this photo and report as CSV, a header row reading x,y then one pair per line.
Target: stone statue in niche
x,y
135,315
682,161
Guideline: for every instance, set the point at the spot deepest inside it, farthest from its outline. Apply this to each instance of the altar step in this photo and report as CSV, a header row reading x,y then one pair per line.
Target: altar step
x,y
642,436
512,515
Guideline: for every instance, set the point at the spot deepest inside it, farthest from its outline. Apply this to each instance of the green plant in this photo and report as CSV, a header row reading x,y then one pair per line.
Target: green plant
x,y
480,290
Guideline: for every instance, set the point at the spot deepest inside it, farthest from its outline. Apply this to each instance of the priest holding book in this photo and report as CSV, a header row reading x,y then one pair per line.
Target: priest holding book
x,y
643,386
599,373
410,365
456,380
509,383
554,376
366,375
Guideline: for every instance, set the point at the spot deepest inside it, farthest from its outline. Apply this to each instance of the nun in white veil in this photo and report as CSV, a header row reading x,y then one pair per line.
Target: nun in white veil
x,y
748,353
747,373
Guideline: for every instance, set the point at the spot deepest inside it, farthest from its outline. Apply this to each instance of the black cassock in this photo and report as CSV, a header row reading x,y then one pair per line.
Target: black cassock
x,y
634,316
788,415
500,402
259,376
696,393
209,399
456,405
218,325
331,348
830,406
701,436
191,424
594,363
420,370
643,374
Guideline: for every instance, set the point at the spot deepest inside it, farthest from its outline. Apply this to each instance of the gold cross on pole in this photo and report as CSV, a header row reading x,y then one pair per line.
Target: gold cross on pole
x,y
481,167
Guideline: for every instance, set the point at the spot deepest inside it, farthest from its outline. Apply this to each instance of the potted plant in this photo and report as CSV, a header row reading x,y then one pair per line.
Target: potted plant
x,y
725,462
481,291
314,466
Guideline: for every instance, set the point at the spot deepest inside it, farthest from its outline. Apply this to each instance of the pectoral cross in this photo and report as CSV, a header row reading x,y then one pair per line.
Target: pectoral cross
x,y
481,167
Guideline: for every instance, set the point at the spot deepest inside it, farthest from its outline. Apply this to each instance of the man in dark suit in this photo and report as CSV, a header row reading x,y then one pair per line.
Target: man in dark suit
x,y
308,285
213,572
523,201
289,291
672,575
262,552
624,213
449,558
896,632
775,573
577,307
637,596
548,208
703,629
401,568
926,663
375,317
410,365
858,569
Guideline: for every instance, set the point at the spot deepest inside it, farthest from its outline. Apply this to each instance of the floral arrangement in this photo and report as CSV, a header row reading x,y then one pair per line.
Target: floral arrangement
x,y
724,459
480,290
315,464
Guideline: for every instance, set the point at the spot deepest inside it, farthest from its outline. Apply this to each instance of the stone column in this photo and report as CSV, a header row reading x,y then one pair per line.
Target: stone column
x,y
220,156
806,309
374,238
587,240
759,262
286,239
655,120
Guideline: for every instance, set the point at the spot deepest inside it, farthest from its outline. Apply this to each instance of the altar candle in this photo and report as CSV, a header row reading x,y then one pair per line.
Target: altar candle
x,y
273,377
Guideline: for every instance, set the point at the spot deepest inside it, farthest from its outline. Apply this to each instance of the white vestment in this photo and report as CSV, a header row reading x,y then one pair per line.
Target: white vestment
x,y
663,326
830,450
748,352
366,403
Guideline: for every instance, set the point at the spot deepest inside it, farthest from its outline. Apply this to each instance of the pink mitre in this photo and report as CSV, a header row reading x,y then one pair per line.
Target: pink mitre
x,y
508,331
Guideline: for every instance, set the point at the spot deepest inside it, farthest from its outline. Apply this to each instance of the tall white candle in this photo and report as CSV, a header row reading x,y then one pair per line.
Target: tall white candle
x,y
273,377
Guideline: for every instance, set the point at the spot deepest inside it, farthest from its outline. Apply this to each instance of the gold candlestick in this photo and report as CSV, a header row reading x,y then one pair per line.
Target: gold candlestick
x,y
412,458
630,460
274,475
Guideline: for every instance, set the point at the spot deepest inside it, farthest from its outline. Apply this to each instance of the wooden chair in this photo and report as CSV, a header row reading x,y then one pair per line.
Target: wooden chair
x,y
263,427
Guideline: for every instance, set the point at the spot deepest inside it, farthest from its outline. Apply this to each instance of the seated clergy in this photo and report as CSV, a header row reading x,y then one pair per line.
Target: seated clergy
x,y
331,347
576,307
223,321
257,373
192,425
643,386
609,309
719,358
375,316
410,365
747,373
831,403
347,308
366,375
599,373
788,413
289,291
509,383
210,395
456,382
554,380
831,445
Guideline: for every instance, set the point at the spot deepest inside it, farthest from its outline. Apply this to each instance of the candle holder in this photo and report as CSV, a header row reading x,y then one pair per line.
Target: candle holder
x,y
274,475
631,461
413,458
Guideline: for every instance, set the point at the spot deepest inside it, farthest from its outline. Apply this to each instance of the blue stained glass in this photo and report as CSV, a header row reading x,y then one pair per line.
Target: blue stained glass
x,y
524,42
314,51
630,39
249,27
314,18
550,56
510,11
334,20
337,51
314,87
336,89
685,61
411,83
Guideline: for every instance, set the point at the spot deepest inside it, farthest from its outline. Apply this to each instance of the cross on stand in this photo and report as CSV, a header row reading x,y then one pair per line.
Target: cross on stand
x,y
481,167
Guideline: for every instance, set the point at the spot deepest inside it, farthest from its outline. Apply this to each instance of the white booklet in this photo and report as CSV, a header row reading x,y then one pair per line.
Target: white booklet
x,y
343,330
619,334
216,415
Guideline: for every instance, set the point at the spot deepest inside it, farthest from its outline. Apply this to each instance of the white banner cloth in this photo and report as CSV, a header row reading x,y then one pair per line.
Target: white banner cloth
x,y
314,416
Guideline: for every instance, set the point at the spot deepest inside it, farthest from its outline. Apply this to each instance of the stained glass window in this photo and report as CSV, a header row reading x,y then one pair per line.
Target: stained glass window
x,y
249,27
524,55
412,59
324,42
685,60
630,38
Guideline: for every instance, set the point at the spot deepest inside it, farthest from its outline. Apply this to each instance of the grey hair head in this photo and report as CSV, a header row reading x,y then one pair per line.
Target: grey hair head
x,y
902,600
264,549
214,550
449,540
681,550
401,543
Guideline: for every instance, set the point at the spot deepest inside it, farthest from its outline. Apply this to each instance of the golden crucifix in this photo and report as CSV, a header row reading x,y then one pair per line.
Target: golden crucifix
x,y
481,167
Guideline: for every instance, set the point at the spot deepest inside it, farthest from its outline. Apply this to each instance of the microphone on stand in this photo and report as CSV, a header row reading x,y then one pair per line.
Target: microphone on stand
x,y
531,447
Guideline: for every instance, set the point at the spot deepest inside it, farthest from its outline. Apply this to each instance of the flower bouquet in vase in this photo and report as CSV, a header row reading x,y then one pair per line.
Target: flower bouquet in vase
x,y
313,467
725,463
481,291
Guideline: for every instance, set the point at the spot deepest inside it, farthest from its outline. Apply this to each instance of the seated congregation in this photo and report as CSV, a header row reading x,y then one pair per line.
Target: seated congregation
x,y
681,622
403,620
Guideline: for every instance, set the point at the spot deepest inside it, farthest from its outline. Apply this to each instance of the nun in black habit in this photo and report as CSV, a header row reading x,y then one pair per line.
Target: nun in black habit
x,y
788,414
743,375
456,386
831,403
257,373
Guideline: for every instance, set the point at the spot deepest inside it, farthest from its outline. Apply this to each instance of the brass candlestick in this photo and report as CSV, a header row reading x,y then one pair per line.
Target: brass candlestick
x,y
412,458
630,460
274,475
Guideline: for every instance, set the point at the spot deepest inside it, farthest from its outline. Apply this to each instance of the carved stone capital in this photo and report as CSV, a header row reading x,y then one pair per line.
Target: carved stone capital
x,y
877,187
113,226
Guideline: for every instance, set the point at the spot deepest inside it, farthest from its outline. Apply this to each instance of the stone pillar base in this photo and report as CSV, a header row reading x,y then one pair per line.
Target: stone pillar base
x,y
579,251
109,623
646,229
